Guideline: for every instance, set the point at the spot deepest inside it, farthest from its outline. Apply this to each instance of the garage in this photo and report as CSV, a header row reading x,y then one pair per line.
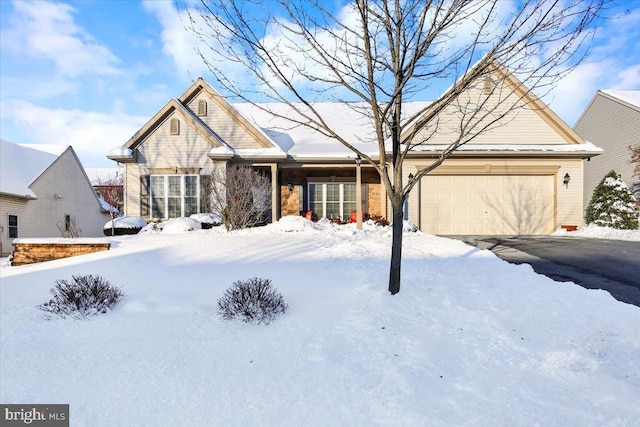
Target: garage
x,y
496,204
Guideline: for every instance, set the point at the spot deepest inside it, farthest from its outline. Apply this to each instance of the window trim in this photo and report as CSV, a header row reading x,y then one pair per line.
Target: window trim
x,y
166,197
11,227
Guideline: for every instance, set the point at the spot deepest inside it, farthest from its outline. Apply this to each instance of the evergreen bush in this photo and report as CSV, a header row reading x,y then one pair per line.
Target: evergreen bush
x,y
613,205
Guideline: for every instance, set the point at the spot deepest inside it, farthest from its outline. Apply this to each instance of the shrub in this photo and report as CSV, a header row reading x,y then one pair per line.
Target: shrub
x,y
252,301
124,225
613,205
82,297
379,220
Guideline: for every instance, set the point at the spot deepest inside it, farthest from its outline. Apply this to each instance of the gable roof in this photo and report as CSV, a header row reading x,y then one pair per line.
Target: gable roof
x,y
629,97
522,92
20,166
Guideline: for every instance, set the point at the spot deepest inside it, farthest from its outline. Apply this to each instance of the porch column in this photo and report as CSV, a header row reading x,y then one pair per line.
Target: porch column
x,y
275,193
358,193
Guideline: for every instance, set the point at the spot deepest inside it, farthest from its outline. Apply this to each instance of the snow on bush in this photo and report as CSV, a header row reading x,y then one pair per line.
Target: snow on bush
x,y
152,227
294,223
613,205
124,225
82,297
409,227
181,225
207,220
252,301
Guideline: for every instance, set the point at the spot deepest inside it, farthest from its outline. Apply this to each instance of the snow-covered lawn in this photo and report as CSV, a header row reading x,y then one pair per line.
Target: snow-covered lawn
x,y
469,341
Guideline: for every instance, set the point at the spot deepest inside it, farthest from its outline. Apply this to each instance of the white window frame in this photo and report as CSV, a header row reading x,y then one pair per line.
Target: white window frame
x,y
183,188
343,215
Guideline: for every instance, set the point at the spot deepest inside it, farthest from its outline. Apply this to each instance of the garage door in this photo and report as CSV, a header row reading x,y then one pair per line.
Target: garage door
x,y
487,204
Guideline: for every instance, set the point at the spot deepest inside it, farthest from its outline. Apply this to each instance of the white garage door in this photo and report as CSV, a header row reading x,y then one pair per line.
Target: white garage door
x,y
487,204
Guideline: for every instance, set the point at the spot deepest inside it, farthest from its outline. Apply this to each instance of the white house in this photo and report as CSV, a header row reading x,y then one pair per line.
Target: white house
x,y
41,192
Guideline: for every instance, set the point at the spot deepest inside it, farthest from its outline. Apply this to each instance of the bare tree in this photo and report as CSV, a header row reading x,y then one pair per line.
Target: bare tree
x,y
239,195
110,189
384,52
69,229
635,159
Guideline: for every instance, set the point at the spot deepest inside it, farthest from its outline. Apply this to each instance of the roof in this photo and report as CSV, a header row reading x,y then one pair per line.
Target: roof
x,y
20,166
629,96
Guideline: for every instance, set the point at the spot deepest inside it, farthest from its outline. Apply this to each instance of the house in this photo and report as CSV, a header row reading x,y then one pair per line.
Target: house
x,y
42,192
523,177
611,121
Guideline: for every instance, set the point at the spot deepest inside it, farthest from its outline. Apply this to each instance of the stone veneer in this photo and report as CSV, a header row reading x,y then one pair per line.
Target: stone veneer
x,y
29,251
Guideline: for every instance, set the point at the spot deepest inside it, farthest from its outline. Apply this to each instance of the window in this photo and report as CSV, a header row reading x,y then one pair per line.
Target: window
x,y
174,126
488,85
334,200
202,107
173,196
13,226
67,222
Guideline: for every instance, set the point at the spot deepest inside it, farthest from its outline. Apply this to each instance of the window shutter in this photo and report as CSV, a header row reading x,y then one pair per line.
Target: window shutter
x,y
144,196
205,193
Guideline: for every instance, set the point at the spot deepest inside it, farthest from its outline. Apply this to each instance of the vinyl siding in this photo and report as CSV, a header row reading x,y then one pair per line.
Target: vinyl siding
x,y
220,122
39,218
612,126
522,125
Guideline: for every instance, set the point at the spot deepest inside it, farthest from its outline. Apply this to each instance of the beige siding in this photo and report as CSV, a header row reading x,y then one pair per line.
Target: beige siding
x,y
11,206
220,122
521,124
613,126
75,197
502,182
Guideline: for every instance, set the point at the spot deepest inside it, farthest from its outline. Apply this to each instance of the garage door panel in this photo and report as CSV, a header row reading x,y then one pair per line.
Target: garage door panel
x,y
485,204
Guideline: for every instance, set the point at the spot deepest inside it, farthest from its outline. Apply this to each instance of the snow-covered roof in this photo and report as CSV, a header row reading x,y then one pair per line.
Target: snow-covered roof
x,y
629,96
565,148
20,165
346,119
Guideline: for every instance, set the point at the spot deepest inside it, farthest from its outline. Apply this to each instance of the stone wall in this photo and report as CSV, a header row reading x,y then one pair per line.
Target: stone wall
x,y
32,252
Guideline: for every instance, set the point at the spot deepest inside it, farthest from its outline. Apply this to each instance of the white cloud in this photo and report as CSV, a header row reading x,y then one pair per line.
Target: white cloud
x,y
91,134
177,42
48,30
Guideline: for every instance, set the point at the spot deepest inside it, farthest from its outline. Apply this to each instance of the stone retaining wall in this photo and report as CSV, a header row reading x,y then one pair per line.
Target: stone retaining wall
x,y
29,252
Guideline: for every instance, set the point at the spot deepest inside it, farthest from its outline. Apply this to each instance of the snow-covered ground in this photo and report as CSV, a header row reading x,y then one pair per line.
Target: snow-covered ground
x,y
470,340
595,232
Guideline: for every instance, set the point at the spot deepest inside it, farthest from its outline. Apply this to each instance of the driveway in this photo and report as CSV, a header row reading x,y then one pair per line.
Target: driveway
x,y
613,265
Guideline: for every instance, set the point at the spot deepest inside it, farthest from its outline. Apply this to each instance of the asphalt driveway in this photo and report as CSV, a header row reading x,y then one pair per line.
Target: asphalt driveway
x,y
613,265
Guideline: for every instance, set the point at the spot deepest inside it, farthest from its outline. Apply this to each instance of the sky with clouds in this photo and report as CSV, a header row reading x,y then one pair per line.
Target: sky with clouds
x,y
90,73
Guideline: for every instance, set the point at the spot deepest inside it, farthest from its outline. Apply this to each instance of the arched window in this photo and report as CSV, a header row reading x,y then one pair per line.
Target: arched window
x,y
202,107
174,126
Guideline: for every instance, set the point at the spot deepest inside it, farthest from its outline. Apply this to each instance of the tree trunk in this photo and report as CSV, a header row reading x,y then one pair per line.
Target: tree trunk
x,y
396,249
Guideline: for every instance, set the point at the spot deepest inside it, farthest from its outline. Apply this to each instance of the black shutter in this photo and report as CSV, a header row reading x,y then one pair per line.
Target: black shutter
x,y
144,196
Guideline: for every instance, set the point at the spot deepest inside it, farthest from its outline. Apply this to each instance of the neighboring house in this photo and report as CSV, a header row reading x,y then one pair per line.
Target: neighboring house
x,y
40,192
509,180
612,122
109,185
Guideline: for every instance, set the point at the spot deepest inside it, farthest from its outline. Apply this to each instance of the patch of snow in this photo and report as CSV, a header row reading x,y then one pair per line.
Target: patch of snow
x,y
595,232
61,240
121,152
294,223
630,96
20,165
181,225
126,222
207,218
482,341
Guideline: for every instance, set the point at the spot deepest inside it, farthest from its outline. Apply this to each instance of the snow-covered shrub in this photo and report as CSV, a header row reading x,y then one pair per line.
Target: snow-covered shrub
x,y
181,225
124,225
409,227
252,301
207,220
152,227
81,297
613,205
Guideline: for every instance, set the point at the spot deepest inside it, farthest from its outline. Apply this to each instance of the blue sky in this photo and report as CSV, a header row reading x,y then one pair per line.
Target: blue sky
x,y
90,73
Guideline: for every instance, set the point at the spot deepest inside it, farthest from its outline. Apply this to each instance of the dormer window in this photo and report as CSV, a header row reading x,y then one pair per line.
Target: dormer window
x,y
202,108
174,127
